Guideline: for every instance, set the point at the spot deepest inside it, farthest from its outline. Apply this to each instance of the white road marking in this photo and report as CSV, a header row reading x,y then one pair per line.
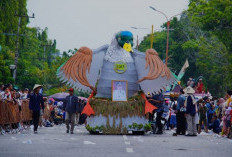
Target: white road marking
x,y
139,138
129,150
27,142
125,137
13,138
127,142
88,142
78,130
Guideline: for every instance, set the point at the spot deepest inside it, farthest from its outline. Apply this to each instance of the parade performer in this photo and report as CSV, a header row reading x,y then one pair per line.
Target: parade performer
x,y
200,86
36,99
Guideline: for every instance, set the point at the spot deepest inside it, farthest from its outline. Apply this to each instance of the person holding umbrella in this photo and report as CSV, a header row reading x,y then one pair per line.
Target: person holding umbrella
x,y
36,99
71,107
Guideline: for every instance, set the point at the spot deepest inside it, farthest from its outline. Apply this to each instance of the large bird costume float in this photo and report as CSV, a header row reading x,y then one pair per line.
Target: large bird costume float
x,y
93,71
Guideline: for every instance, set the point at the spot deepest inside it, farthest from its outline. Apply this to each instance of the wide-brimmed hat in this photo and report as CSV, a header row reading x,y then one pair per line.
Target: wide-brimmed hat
x,y
37,86
189,90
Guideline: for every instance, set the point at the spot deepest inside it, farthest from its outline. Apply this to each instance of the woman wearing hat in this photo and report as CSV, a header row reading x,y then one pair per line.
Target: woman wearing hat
x,y
36,99
191,112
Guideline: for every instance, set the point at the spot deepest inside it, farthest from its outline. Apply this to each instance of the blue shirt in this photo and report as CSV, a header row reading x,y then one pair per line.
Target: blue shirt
x,y
35,101
209,107
71,104
160,106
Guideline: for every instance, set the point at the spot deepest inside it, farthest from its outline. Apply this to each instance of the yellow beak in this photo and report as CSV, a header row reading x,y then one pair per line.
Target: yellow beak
x,y
127,47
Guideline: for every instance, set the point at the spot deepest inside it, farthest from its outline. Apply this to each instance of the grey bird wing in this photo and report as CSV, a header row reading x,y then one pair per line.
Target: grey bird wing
x,y
92,75
149,86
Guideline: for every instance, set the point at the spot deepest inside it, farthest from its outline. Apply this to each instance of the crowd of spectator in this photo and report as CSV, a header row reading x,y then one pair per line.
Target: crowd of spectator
x,y
211,114
52,114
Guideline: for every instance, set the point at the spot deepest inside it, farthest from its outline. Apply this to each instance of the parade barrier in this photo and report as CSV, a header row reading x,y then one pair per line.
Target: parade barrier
x,y
26,112
9,112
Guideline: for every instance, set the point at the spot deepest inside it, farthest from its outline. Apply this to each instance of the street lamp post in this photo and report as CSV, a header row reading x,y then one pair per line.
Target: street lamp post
x,y
137,41
168,29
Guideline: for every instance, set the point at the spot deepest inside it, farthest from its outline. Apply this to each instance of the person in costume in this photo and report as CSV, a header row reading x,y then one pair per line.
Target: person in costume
x,y
200,86
35,104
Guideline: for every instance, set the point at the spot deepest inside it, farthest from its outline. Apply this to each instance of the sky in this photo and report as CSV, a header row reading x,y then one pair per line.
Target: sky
x,y
92,23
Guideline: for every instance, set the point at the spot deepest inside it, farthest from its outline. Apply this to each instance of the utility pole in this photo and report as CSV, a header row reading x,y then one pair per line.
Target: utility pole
x,y
152,31
17,42
168,29
137,42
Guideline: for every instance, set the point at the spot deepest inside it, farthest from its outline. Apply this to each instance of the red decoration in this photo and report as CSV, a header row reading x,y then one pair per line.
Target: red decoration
x,y
149,108
88,110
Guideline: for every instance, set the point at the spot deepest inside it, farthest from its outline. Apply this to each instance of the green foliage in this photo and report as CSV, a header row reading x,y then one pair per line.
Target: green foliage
x,y
147,127
214,16
36,63
95,129
140,126
209,55
134,125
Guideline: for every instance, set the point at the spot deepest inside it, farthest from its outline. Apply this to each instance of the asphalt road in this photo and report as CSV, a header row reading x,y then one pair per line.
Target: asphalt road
x,y
54,142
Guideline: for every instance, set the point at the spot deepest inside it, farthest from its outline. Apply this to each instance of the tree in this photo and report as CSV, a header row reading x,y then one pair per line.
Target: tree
x,y
214,16
207,54
32,68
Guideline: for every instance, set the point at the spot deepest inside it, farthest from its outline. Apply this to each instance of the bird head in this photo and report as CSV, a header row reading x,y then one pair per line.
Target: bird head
x,y
125,40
